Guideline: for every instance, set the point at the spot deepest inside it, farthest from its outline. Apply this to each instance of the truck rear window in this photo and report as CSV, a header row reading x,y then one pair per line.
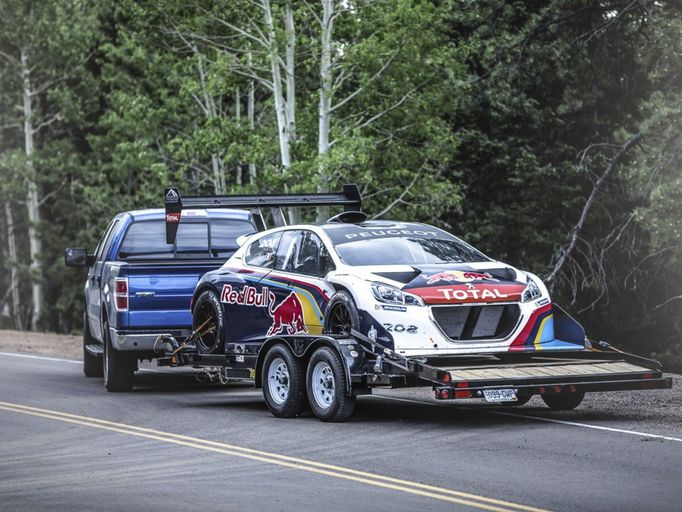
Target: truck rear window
x,y
146,240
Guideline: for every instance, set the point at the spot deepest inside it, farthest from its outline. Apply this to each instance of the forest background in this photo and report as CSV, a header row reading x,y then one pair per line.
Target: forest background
x,y
547,134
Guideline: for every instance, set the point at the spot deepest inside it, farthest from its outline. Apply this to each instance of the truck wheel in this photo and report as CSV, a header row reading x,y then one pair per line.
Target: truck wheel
x,y
119,367
282,381
341,315
326,386
92,365
208,312
564,401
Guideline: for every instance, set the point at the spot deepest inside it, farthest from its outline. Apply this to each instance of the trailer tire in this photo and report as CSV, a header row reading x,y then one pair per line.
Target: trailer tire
x,y
282,379
564,401
93,366
341,314
208,305
119,367
326,386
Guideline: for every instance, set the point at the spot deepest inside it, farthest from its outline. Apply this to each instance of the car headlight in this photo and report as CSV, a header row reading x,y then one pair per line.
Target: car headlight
x,y
392,295
531,292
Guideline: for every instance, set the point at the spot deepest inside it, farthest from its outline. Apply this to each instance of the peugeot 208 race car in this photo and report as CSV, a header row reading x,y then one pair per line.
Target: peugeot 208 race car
x,y
412,288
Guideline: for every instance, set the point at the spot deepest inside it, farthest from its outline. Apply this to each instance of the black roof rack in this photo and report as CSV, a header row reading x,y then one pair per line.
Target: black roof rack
x,y
349,198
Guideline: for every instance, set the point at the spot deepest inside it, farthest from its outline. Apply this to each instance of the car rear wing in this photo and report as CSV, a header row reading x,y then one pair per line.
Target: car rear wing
x,y
349,198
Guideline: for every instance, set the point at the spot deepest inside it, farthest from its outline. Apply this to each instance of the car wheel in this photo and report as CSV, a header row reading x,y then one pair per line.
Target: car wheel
x,y
282,380
208,314
341,315
326,386
92,364
564,401
119,367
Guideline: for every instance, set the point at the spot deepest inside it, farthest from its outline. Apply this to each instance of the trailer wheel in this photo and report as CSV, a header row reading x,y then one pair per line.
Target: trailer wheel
x,y
119,367
564,401
93,366
208,314
341,315
282,380
326,386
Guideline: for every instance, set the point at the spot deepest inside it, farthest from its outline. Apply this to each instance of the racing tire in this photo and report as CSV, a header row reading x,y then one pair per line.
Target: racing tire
x,y
93,366
341,314
282,379
326,384
209,311
118,367
564,401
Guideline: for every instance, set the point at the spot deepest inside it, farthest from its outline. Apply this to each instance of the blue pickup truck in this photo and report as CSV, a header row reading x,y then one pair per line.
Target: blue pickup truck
x,y
139,287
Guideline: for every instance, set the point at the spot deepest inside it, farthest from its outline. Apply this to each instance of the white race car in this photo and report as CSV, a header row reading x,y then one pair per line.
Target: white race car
x,y
413,288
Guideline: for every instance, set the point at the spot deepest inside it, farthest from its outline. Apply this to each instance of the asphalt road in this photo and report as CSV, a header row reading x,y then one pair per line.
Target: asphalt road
x,y
175,444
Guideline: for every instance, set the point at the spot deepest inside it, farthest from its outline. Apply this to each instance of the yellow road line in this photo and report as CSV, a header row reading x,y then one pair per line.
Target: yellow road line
x,y
416,488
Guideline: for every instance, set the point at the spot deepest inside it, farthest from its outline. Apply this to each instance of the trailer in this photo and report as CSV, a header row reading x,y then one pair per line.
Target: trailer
x,y
319,314
561,379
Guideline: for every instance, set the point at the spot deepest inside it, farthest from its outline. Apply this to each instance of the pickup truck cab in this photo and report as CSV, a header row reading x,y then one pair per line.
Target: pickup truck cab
x,y
139,287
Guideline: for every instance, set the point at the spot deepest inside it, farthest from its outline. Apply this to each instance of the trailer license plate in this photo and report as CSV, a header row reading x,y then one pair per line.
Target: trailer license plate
x,y
499,395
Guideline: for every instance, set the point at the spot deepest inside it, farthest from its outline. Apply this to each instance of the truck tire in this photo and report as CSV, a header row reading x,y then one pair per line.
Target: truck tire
x,y
341,315
208,308
326,386
93,366
119,367
283,384
564,401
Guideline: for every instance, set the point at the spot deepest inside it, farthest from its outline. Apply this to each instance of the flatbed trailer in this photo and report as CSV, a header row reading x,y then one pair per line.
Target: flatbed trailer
x,y
560,378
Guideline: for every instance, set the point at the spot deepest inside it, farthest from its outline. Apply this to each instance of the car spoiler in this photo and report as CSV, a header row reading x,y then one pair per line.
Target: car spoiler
x,y
349,198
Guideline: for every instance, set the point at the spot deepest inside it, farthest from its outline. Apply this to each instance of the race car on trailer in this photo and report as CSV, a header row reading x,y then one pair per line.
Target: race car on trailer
x,y
318,314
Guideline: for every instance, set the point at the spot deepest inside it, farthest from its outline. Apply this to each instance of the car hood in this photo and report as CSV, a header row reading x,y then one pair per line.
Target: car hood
x,y
460,282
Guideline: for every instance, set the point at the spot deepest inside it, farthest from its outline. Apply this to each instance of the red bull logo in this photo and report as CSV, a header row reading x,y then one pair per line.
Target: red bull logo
x,y
458,276
288,315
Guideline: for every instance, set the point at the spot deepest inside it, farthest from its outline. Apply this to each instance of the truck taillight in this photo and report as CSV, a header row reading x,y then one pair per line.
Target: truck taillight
x,y
121,293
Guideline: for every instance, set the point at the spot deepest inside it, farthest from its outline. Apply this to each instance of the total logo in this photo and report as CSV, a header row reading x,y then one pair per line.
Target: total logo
x,y
286,316
458,276
472,293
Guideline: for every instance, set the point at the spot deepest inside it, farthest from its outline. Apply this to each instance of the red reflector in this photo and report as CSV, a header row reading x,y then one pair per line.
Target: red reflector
x,y
121,286
462,394
463,384
557,389
122,303
447,378
648,376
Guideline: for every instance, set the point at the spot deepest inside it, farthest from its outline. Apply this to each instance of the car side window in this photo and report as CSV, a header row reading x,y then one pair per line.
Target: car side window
x,y
311,257
288,250
261,253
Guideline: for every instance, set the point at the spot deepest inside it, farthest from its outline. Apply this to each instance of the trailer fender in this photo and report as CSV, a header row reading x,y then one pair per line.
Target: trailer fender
x,y
304,346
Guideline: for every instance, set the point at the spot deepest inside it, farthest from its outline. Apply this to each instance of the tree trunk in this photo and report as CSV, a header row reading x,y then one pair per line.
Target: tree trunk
x,y
325,102
280,103
290,69
238,117
12,257
34,241
250,112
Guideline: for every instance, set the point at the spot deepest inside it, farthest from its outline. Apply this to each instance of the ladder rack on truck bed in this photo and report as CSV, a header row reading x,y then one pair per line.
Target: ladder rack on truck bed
x,y
513,378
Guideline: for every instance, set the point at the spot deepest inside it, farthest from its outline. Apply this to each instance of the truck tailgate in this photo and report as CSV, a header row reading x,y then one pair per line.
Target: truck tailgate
x,y
160,294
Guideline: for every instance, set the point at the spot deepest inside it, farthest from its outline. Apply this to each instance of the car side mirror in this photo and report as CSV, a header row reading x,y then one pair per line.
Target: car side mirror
x,y
77,257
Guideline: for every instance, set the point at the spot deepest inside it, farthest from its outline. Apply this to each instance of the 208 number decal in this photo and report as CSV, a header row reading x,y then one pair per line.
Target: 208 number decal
x,y
411,329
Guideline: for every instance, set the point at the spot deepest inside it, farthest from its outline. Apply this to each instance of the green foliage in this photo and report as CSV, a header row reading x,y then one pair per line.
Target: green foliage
x,y
493,119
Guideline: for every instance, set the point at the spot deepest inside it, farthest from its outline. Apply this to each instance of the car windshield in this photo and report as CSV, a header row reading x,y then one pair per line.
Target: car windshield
x,y
407,251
